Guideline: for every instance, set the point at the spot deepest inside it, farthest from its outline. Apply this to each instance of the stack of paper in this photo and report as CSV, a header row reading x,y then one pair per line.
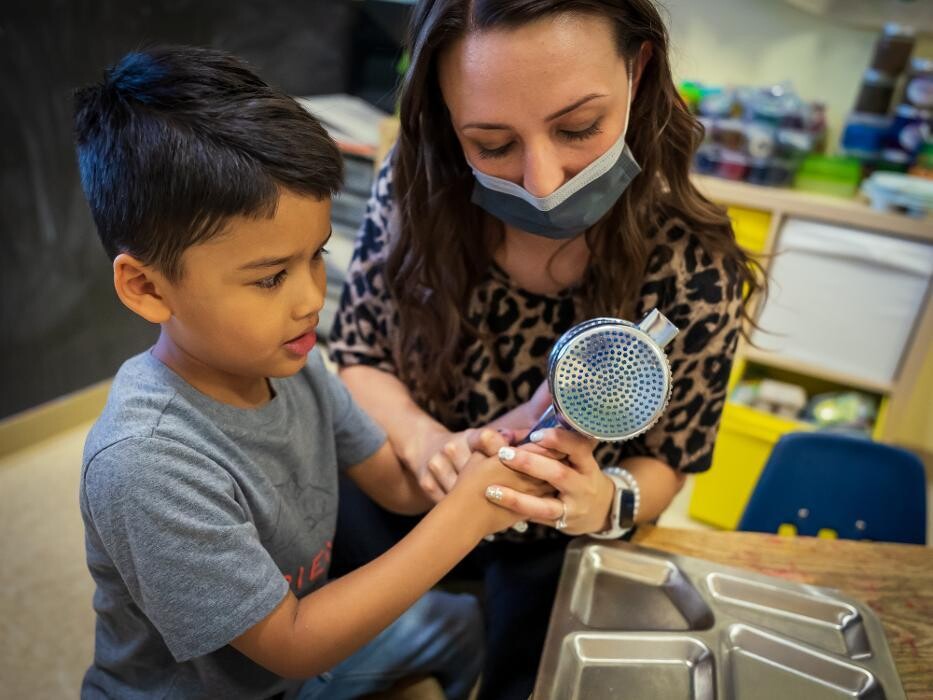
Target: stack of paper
x,y
352,122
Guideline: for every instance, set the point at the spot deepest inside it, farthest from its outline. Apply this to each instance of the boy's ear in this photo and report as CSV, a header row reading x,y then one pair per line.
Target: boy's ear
x,y
140,288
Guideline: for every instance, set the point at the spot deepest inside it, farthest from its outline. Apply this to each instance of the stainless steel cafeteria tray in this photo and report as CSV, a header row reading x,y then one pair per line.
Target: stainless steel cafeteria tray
x,y
631,622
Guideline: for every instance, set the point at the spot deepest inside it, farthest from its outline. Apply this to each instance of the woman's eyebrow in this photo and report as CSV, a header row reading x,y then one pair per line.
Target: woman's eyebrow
x,y
559,113
579,103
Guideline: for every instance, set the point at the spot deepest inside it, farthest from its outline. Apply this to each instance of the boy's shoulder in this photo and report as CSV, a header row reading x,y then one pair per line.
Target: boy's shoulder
x,y
148,401
141,394
137,400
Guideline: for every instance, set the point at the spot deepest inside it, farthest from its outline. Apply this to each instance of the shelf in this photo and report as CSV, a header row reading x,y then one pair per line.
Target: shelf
x,y
870,14
808,205
769,359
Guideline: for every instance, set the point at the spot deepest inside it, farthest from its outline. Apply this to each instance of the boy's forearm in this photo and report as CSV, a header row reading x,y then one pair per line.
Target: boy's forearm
x,y
408,498
330,624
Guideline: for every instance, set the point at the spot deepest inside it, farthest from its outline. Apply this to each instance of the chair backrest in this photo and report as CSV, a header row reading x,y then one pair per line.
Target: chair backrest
x,y
859,488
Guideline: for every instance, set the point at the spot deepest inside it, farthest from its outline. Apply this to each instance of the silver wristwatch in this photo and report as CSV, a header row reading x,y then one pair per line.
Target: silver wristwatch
x,y
624,507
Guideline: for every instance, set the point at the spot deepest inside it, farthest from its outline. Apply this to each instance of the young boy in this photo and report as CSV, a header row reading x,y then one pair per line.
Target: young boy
x,y
209,484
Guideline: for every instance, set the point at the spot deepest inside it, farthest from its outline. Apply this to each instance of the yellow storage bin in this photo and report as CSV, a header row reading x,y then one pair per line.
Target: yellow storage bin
x,y
751,228
746,437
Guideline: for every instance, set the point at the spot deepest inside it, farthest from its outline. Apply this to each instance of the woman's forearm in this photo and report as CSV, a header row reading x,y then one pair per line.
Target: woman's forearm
x,y
657,484
389,402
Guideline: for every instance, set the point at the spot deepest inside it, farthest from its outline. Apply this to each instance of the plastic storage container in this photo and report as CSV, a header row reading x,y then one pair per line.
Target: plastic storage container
x,y
829,175
751,228
844,300
863,135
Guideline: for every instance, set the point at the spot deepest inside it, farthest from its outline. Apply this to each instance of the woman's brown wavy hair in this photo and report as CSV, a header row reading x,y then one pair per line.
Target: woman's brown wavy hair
x,y
441,252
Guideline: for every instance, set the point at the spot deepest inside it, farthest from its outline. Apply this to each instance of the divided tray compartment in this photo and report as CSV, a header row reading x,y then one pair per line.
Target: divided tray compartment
x,y
633,622
660,598
601,666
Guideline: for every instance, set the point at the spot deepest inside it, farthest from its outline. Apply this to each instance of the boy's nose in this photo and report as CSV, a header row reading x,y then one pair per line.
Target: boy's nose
x,y
310,301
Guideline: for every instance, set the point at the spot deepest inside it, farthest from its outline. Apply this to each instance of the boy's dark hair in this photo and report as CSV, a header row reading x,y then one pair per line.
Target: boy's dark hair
x,y
176,140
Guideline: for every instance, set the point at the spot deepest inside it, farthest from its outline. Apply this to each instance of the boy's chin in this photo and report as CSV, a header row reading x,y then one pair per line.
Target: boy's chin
x,y
287,368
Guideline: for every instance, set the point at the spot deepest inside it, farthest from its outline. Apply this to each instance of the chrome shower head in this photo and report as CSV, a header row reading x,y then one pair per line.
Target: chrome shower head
x,y
610,379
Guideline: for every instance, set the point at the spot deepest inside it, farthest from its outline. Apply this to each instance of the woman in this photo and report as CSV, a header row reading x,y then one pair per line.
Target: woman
x,y
540,178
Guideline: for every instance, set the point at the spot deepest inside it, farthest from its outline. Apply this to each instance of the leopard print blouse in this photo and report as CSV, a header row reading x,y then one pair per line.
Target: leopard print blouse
x,y
696,291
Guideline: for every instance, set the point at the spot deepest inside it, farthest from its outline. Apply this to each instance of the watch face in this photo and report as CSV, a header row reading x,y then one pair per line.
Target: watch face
x,y
626,508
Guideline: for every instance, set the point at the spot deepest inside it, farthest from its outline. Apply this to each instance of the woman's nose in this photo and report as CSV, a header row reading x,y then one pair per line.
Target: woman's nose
x,y
544,172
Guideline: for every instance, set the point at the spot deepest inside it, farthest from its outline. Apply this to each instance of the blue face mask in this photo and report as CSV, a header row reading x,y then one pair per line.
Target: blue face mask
x,y
571,208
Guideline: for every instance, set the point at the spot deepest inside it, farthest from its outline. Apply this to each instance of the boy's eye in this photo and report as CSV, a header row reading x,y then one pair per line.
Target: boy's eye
x,y
272,281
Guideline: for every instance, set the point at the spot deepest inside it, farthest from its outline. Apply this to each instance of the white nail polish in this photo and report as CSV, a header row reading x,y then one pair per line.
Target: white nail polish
x,y
493,493
506,453
536,435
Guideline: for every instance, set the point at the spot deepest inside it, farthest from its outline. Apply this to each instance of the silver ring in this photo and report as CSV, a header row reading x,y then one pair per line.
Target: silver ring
x,y
561,522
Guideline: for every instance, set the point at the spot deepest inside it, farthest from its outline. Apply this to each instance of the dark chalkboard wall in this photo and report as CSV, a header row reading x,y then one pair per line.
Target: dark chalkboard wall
x,y
62,327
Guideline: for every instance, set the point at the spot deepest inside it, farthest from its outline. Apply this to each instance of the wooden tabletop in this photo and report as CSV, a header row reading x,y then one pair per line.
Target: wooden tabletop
x,y
894,580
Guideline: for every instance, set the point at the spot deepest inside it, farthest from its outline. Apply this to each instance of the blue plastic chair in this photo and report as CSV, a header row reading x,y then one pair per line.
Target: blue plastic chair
x,y
859,488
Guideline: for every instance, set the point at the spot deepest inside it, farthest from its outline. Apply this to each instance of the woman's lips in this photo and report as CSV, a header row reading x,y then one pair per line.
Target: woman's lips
x,y
302,344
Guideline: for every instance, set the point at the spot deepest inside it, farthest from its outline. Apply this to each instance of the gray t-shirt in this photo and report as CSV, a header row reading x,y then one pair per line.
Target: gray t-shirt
x,y
199,517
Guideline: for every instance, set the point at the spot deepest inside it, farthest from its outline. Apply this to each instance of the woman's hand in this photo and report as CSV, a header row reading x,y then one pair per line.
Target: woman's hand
x,y
438,472
447,454
564,459
424,459
482,474
521,418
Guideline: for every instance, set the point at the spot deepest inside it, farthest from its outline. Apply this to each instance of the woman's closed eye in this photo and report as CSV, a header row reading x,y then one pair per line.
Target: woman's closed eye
x,y
582,134
495,152
571,135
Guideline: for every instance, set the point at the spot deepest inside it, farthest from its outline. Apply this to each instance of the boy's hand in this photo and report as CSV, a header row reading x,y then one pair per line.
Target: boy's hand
x,y
482,471
443,468
440,468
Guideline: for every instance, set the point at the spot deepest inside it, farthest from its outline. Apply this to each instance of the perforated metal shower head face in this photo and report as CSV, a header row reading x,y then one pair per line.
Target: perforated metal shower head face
x,y
609,379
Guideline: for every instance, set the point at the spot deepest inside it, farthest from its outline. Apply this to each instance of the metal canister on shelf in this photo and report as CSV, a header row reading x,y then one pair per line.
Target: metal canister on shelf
x,y
893,48
909,129
794,143
732,165
717,105
919,88
781,172
815,121
759,140
875,93
730,134
772,172
706,160
708,124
